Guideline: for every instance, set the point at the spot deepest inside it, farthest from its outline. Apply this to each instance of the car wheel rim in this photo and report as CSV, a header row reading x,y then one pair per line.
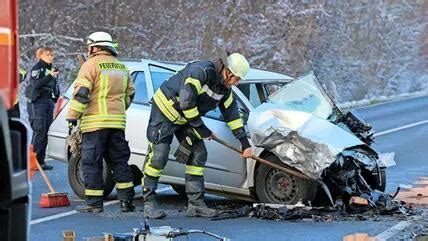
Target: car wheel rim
x,y
280,186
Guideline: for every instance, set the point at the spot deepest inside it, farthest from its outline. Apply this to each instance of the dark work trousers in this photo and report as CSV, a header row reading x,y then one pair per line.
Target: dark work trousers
x,y
110,145
40,114
160,133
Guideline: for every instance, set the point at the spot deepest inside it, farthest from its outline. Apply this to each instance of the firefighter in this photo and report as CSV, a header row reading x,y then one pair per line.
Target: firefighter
x,y
178,106
103,90
42,92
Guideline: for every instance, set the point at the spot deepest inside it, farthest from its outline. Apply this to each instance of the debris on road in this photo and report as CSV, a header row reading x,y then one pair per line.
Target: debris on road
x,y
69,235
358,201
416,196
357,209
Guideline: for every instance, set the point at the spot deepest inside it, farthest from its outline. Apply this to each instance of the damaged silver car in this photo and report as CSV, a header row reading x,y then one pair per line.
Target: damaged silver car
x,y
303,129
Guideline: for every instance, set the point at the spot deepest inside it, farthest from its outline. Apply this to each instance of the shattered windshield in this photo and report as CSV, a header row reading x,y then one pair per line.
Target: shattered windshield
x,y
304,94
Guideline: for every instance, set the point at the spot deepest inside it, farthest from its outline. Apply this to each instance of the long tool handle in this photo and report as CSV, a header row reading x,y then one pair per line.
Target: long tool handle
x,y
279,167
45,177
264,161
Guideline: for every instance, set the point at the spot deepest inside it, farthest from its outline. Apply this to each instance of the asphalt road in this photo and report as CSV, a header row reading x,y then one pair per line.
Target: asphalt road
x,y
408,144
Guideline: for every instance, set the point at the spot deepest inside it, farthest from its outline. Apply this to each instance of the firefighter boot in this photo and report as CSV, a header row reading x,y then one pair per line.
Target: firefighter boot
x,y
197,206
126,206
150,206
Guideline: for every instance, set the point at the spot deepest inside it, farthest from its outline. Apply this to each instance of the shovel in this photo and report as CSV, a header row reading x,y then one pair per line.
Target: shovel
x,y
279,167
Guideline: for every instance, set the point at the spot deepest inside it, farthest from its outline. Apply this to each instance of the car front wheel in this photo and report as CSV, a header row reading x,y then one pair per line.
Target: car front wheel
x,y
75,177
275,186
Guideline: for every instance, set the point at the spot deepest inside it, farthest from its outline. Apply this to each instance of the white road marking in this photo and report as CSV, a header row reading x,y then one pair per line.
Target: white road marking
x,y
72,212
390,232
56,216
400,128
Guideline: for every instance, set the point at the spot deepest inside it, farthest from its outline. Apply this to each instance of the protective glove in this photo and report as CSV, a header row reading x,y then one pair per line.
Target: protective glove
x,y
185,149
71,123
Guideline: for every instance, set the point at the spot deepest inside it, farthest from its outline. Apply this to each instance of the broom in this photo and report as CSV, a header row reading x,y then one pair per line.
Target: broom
x,y
280,167
52,199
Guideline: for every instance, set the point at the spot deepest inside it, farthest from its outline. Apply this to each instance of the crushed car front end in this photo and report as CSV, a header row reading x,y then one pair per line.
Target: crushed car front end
x,y
305,130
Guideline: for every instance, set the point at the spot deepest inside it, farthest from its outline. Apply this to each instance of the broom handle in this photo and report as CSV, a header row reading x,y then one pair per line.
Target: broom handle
x,y
279,167
45,177
264,161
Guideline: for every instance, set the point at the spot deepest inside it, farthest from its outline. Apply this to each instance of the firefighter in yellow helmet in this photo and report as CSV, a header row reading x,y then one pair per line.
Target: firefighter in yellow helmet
x,y
103,90
178,106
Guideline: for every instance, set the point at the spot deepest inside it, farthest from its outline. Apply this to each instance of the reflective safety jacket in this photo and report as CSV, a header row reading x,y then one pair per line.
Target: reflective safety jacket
x,y
103,90
193,91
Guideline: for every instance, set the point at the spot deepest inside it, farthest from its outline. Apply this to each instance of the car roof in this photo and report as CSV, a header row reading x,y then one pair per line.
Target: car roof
x,y
254,75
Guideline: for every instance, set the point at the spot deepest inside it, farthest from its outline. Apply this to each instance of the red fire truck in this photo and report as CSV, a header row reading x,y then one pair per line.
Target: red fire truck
x,y
14,135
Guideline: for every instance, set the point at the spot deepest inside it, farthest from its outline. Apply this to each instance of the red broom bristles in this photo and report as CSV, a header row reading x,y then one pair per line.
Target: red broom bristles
x,y
52,200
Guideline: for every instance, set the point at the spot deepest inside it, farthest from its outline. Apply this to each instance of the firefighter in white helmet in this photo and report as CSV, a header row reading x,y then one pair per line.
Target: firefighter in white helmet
x,y
178,106
103,90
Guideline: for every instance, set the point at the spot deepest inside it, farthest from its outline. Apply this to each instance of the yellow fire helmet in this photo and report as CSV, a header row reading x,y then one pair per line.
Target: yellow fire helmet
x,y
238,65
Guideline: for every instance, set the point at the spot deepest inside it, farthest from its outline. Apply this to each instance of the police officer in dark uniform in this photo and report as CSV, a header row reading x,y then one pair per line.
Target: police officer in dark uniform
x,y
178,106
42,92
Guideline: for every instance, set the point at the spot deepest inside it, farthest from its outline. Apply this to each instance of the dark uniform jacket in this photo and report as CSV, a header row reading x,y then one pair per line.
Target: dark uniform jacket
x,y
41,83
195,90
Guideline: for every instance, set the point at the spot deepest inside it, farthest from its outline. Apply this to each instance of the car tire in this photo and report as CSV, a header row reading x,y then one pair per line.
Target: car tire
x,y
75,178
275,186
179,189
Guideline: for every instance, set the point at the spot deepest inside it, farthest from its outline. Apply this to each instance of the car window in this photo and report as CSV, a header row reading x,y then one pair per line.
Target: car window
x,y
159,75
272,88
250,91
141,96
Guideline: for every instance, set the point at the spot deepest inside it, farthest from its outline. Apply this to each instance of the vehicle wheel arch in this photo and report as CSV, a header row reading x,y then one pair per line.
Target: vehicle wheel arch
x,y
262,154
307,193
68,153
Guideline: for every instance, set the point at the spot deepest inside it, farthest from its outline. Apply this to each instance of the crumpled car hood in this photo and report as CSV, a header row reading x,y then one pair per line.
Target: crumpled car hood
x,y
300,139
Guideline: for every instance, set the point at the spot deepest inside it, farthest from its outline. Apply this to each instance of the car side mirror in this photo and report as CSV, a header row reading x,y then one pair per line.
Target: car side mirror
x,y
243,113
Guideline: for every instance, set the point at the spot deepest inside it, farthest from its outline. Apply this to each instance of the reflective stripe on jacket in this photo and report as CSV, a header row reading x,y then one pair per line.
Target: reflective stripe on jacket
x,y
195,90
103,91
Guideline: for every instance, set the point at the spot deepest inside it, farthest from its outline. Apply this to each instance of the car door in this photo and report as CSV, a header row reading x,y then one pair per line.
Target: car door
x,y
224,167
138,118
